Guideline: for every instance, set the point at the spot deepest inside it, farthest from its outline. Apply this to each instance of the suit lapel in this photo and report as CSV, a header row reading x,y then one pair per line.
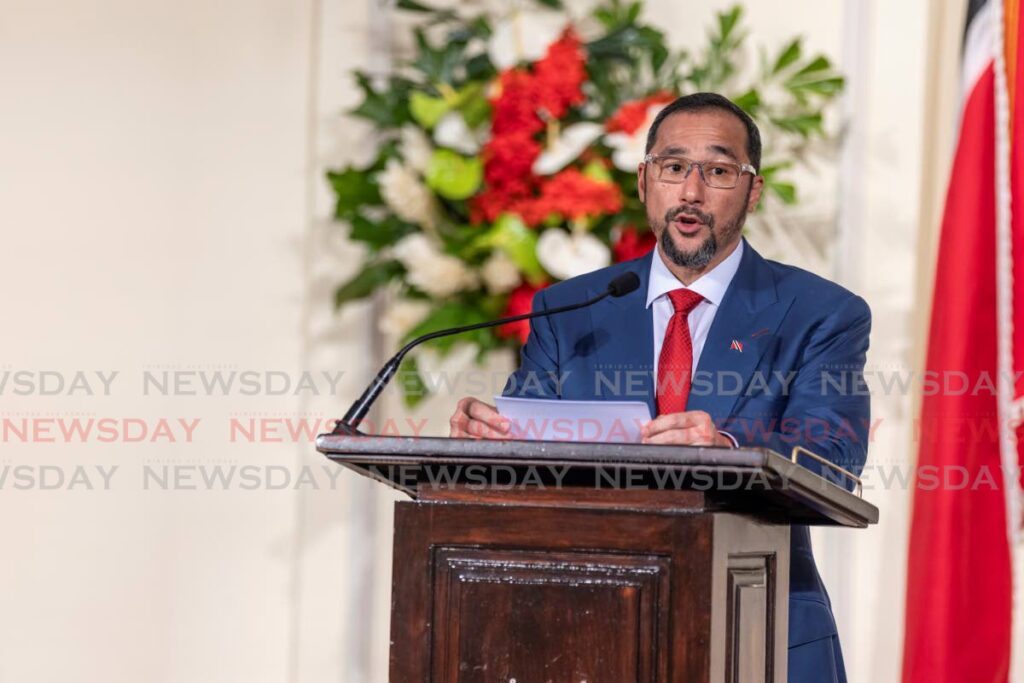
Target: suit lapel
x,y
624,330
744,326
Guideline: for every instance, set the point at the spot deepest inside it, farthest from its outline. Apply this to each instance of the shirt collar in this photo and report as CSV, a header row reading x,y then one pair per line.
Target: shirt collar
x,y
711,285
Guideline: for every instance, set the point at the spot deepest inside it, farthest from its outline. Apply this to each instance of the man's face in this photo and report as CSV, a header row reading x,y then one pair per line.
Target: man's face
x,y
692,221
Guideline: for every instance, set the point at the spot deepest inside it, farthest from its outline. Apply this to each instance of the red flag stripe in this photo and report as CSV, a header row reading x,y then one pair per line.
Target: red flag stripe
x,y
959,573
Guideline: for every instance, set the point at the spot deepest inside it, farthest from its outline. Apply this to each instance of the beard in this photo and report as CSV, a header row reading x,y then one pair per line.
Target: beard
x,y
699,258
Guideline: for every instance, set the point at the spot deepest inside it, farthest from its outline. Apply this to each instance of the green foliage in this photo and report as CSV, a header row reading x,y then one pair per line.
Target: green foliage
x,y
381,232
454,176
518,242
427,110
354,188
451,314
367,281
386,107
718,61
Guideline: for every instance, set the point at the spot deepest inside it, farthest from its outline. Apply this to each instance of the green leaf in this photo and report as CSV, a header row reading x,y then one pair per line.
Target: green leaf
x,y
412,6
784,191
789,54
476,111
480,67
437,64
511,235
826,87
387,108
749,101
452,175
727,22
802,124
449,314
354,188
607,17
633,13
553,4
768,171
379,233
367,281
414,389
595,170
427,110
819,63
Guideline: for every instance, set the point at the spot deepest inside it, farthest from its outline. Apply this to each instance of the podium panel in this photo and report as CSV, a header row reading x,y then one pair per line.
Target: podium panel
x,y
537,592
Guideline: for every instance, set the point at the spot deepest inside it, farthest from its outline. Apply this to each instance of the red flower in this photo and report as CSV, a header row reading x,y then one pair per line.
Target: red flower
x,y
508,160
560,75
525,100
520,301
632,115
572,195
633,244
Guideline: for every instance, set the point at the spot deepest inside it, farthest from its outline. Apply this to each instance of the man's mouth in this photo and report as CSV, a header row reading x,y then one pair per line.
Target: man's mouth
x,y
688,225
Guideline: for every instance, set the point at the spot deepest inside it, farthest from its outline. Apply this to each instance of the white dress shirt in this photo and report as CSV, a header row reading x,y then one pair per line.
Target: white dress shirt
x,y
711,285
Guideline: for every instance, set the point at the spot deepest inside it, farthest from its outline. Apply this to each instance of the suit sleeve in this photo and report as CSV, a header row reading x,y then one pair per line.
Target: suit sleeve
x,y
828,410
538,373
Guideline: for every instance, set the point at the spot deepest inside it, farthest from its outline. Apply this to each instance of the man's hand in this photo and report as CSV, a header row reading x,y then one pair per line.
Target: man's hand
x,y
475,419
689,428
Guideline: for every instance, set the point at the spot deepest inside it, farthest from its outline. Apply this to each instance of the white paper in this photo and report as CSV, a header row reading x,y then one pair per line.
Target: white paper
x,y
535,419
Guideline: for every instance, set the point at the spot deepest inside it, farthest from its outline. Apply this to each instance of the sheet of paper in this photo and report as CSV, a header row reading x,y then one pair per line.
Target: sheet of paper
x,y
553,420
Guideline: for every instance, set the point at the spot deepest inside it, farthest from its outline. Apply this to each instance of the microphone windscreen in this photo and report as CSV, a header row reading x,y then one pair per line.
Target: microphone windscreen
x,y
624,284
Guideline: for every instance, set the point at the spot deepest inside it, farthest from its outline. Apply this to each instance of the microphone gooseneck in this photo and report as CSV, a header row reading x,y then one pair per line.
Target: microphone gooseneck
x,y
620,286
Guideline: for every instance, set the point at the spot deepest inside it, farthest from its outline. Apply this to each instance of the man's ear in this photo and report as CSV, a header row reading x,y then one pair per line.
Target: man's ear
x,y
641,183
756,188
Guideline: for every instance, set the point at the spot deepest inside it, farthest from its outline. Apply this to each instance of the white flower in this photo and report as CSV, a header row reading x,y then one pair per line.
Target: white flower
x,y
566,147
406,195
416,149
452,131
500,274
431,271
401,316
524,36
565,256
628,149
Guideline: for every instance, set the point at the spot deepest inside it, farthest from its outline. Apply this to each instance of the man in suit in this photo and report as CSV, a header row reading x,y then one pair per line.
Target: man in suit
x,y
727,348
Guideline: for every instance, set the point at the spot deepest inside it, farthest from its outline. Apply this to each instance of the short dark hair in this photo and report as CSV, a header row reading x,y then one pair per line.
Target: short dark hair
x,y
702,101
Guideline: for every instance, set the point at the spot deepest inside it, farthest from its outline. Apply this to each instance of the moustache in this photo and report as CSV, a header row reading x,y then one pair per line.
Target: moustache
x,y
706,219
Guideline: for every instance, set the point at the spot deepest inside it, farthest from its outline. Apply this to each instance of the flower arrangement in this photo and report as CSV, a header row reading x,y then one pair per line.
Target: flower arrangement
x,y
508,146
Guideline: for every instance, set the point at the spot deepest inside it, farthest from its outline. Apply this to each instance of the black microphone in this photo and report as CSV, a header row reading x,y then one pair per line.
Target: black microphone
x,y
620,286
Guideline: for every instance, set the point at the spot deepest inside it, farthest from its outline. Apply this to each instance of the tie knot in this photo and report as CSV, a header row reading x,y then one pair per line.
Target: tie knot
x,y
684,300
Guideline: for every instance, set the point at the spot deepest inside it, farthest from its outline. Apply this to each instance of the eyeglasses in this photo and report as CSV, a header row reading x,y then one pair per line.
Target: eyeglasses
x,y
718,174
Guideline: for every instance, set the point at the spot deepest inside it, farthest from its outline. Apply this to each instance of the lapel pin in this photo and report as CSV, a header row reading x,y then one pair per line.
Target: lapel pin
x,y
736,346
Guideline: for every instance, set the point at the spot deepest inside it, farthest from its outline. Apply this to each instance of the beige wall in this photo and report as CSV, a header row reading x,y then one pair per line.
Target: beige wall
x,y
163,208
154,196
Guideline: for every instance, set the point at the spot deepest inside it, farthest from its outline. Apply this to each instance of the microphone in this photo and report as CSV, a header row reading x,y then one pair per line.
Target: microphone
x,y
620,286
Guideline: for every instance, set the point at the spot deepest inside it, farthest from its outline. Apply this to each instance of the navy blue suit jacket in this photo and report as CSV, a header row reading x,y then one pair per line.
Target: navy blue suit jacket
x,y
796,380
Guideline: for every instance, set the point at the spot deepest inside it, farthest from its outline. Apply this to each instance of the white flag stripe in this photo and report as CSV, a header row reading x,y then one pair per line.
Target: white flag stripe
x,y
979,51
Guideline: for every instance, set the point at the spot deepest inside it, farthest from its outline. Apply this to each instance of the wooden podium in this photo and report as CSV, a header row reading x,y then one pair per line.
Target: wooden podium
x,y
529,562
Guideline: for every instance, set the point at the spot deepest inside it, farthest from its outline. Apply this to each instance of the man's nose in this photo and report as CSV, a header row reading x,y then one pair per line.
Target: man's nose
x,y
691,190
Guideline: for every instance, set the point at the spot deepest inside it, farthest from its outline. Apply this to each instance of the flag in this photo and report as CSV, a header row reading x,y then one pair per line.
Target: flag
x,y
966,501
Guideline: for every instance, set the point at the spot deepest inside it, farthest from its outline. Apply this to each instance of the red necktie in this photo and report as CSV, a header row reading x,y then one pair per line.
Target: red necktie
x,y
676,360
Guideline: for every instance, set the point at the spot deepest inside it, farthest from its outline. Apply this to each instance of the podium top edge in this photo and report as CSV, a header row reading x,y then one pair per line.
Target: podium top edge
x,y
797,482
350,448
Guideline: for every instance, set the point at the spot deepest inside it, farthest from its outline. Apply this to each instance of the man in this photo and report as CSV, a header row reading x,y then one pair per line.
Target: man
x,y
730,349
